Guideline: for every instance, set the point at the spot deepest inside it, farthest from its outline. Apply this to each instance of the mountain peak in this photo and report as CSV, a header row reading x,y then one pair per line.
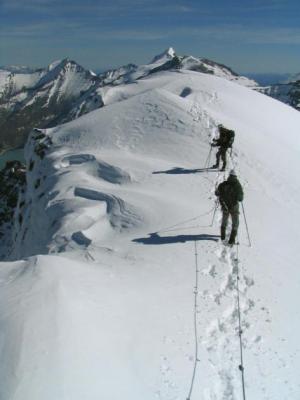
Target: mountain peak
x,y
59,64
168,54
55,64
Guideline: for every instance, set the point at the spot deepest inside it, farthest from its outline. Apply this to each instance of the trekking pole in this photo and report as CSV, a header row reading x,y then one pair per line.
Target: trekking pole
x,y
246,225
232,159
215,210
208,159
209,155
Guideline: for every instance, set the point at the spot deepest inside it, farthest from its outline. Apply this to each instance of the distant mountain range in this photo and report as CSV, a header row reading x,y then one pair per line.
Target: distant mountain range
x,y
65,90
288,93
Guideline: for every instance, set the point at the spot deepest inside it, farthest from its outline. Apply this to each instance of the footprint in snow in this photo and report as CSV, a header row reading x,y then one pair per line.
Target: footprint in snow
x,y
211,270
221,253
248,281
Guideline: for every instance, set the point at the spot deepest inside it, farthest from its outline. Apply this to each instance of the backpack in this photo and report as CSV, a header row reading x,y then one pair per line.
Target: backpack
x,y
227,136
229,194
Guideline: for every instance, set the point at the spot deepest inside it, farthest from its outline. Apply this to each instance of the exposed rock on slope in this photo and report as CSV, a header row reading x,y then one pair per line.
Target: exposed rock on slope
x,y
288,93
42,99
12,184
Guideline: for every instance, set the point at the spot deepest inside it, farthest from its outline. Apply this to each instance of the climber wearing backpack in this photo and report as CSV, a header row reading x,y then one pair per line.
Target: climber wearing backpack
x,y
225,141
230,193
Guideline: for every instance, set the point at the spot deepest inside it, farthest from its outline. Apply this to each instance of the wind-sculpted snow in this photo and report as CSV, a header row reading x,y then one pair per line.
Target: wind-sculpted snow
x,y
99,301
105,171
120,215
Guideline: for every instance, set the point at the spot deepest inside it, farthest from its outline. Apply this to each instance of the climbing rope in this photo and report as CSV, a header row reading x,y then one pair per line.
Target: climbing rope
x,y
170,228
240,330
196,358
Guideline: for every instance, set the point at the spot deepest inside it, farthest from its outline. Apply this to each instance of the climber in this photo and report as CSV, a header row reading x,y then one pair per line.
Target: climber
x,y
230,193
225,141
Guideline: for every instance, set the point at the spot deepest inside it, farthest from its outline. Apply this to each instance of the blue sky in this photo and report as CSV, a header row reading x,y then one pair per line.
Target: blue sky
x,y
249,36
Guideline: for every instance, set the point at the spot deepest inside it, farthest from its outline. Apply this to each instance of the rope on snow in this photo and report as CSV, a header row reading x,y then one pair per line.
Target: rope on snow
x,y
196,358
240,330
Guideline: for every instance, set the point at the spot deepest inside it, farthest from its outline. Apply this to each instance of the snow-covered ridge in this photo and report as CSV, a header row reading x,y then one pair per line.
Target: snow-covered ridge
x,y
169,60
211,67
17,81
106,286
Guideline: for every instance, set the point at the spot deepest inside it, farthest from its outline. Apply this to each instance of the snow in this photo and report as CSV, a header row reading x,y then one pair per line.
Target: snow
x,y
285,92
190,62
72,83
26,80
97,298
16,82
3,79
131,73
165,56
55,64
18,69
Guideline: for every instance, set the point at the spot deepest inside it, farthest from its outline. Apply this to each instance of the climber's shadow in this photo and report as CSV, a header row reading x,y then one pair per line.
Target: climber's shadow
x,y
155,239
178,171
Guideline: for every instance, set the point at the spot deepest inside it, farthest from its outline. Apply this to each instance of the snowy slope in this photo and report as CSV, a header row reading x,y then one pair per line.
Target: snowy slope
x,y
99,302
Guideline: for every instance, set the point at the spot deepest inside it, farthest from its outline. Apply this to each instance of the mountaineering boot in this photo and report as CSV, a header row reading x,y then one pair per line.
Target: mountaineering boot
x,y
223,233
232,237
215,166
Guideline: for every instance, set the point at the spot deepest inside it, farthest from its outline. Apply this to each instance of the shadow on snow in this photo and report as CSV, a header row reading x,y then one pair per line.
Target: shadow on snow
x,y
154,238
178,170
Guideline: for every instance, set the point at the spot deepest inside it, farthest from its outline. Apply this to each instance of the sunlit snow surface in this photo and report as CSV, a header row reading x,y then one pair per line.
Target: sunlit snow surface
x,y
99,304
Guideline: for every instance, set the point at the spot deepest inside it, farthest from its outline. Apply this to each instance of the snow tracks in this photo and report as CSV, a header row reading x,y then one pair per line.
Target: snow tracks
x,y
221,311
221,338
